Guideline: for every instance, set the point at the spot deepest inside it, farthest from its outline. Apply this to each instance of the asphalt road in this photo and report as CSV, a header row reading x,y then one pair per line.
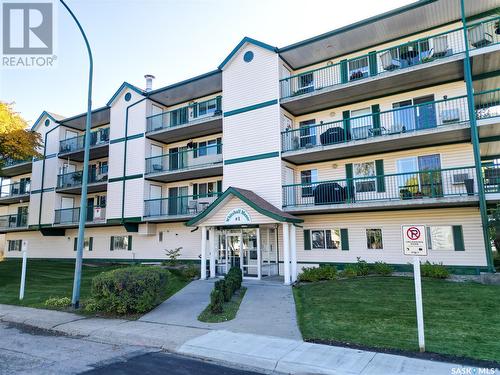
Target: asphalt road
x,y
25,350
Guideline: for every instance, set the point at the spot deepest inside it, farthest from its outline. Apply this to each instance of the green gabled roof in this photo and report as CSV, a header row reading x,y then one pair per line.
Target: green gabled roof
x,y
240,44
253,200
125,85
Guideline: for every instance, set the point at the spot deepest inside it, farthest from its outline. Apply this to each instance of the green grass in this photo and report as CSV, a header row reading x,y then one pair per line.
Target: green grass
x,y
461,319
229,312
45,279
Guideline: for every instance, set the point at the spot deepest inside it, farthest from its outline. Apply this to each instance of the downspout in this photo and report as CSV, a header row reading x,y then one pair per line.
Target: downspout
x,y
475,143
125,158
43,177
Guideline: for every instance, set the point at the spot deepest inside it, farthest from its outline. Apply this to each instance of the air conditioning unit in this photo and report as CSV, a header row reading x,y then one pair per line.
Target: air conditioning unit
x,y
459,178
98,213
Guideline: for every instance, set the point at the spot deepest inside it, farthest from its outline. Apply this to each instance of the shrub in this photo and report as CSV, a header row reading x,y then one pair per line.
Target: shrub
x,y
172,255
191,272
229,289
434,270
318,273
90,305
382,268
236,275
129,290
350,271
216,301
59,303
496,261
362,268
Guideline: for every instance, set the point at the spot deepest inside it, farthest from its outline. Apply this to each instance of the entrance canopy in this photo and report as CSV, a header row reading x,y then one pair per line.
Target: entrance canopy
x,y
236,207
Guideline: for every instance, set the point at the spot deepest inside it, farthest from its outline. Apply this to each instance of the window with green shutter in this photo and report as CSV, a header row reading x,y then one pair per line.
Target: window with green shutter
x,y
376,119
307,239
458,238
344,239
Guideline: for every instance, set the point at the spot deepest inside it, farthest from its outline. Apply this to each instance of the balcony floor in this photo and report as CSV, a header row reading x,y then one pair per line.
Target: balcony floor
x,y
96,152
385,83
186,174
15,199
198,128
386,205
375,145
168,218
95,187
17,169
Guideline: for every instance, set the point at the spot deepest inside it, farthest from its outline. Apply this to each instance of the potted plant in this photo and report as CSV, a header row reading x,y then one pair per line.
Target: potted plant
x,y
405,194
469,186
418,195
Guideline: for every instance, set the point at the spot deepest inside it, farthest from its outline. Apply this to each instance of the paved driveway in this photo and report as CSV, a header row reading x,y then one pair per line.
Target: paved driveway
x,y
267,309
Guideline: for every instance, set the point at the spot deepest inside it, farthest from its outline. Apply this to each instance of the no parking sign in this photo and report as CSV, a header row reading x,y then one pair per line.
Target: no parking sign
x,y
414,240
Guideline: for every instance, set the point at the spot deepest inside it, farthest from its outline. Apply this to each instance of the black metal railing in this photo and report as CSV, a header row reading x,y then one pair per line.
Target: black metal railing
x,y
491,177
15,189
95,214
74,179
13,221
97,138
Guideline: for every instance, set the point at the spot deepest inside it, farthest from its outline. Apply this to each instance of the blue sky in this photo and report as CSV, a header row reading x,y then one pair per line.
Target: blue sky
x,y
173,40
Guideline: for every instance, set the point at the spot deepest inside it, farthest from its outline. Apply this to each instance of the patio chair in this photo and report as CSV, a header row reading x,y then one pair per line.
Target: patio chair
x,y
157,167
388,62
192,207
478,36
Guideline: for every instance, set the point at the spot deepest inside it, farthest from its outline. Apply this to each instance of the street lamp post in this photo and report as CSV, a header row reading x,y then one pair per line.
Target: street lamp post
x,y
75,300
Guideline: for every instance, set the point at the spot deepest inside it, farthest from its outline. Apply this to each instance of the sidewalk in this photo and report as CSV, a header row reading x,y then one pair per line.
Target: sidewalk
x,y
257,352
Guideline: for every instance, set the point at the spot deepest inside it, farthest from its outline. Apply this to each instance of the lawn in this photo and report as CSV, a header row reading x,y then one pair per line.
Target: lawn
x,y
47,279
461,319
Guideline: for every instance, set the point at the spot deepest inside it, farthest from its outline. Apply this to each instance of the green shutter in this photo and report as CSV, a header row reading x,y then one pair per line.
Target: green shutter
x,y
343,71
112,243
379,171
219,187
347,124
195,149
372,61
344,239
376,119
219,145
195,191
349,182
458,238
129,243
195,110
76,243
219,103
91,243
307,239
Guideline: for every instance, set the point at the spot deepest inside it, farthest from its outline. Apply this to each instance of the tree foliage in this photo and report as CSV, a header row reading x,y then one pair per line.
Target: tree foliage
x,y
17,142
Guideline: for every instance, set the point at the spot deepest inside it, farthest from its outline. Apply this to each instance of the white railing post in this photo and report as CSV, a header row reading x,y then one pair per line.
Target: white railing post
x,y
293,253
286,253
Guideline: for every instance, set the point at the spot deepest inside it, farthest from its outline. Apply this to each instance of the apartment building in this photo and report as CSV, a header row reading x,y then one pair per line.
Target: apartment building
x,y
283,158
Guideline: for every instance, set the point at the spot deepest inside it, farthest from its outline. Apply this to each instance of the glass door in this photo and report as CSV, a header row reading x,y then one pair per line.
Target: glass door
x,y
233,246
269,252
221,260
425,112
249,254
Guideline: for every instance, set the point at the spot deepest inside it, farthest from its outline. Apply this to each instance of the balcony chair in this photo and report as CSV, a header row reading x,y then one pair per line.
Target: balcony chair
x,y
192,207
478,36
389,62
440,46
157,167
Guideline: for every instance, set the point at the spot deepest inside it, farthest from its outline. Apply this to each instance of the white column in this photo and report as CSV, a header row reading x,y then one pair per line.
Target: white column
x,y
293,253
286,253
259,256
211,245
203,270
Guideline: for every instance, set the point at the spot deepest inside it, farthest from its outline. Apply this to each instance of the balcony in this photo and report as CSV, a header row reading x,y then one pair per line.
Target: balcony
x,y
73,148
71,183
177,208
491,178
487,105
426,61
444,187
15,192
12,222
199,119
185,165
71,216
441,121
13,168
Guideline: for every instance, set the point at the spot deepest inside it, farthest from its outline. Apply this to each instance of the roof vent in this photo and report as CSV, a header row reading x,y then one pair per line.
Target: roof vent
x,y
149,82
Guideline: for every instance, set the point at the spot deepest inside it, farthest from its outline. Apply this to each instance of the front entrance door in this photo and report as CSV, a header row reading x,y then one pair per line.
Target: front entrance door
x,y
233,246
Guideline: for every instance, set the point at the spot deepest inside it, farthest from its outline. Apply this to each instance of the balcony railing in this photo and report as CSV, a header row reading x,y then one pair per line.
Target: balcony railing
x,y
384,188
13,221
15,189
487,104
95,214
406,119
185,115
491,175
178,206
208,156
74,179
416,52
97,138
11,162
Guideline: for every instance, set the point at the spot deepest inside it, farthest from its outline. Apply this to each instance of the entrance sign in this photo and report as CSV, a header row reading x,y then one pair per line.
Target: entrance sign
x,y
414,240
238,216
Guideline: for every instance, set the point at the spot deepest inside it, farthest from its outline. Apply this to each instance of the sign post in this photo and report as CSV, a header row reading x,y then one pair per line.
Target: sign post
x,y
23,271
415,243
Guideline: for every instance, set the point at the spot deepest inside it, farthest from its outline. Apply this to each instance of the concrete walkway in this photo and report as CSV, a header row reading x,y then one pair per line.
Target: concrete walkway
x,y
268,354
267,309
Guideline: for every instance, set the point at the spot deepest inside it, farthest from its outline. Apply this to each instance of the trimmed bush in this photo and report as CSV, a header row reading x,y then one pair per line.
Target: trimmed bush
x,y
216,301
318,273
434,270
229,289
129,290
191,272
350,271
236,275
362,268
382,268
57,302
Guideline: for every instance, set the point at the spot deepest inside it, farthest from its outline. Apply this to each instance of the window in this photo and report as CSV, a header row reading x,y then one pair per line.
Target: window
x,y
211,147
207,108
160,236
362,174
358,68
15,245
306,82
361,126
308,178
413,182
325,239
87,243
307,133
121,243
374,239
440,237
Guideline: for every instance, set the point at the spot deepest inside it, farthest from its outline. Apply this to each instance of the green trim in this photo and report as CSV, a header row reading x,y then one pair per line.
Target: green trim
x,y
344,239
486,75
123,139
253,157
250,108
44,113
379,171
240,44
125,85
38,191
494,138
236,193
134,219
458,238
125,178
307,239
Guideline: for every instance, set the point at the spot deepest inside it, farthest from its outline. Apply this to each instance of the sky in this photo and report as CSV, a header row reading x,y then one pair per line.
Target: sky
x,y
171,39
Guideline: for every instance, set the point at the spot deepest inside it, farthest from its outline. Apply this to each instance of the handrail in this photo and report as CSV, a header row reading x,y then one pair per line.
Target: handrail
x,y
23,188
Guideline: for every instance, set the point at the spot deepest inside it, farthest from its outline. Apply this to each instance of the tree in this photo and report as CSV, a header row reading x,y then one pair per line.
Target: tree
x,y
17,142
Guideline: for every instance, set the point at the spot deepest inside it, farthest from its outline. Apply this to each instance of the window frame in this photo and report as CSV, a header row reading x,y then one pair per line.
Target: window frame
x,y
17,242
365,178
335,245
429,237
381,238
125,243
